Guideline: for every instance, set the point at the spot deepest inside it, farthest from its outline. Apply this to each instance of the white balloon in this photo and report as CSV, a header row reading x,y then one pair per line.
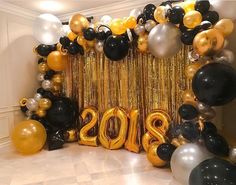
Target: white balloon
x,y
40,77
225,8
185,158
106,19
135,12
47,29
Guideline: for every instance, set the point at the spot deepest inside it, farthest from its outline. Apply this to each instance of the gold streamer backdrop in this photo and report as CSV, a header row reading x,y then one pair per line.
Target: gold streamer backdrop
x,y
140,81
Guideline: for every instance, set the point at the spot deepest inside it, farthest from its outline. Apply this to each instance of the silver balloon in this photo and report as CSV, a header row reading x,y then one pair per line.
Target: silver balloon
x,y
225,56
130,36
32,104
47,85
37,96
232,155
185,158
40,77
139,29
106,19
206,112
47,29
99,46
135,12
164,40
150,24
28,113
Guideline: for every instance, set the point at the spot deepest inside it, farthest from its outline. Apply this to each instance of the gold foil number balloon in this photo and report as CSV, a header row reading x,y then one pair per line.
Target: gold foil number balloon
x,y
153,157
117,26
85,139
29,136
119,141
192,19
225,26
77,23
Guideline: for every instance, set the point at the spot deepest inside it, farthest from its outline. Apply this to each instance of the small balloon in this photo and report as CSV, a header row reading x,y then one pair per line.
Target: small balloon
x,y
153,157
139,29
99,46
56,61
205,25
149,25
202,6
117,26
43,67
225,26
135,13
160,14
72,36
190,131
211,16
77,23
57,79
188,6
40,77
65,41
188,111
192,19
45,103
192,69
209,128
143,43
188,96
32,104
43,50
101,35
106,19
37,96
75,48
130,22
165,151
232,155
176,15
41,113
47,85
148,11
89,34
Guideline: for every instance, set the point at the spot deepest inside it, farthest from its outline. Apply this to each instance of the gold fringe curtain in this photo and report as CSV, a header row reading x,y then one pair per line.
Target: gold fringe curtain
x,y
140,81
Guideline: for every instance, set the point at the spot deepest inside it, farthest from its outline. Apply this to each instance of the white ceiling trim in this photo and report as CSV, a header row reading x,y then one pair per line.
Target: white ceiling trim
x,y
19,11
109,9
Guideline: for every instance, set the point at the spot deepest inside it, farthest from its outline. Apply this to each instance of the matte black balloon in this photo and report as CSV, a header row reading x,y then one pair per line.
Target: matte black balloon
x,y
149,11
188,36
43,50
49,95
202,6
213,172
211,16
62,113
209,128
188,112
55,140
89,34
142,18
190,131
116,47
215,84
40,91
216,144
73,48
165,151
176,15
101,35
65,41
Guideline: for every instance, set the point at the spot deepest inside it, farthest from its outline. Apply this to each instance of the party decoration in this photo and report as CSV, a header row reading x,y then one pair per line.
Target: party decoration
x,y
225,26
158,40
211,16
192,19
117,26
64,41
119,141
188,111
160,14
75,48
43,50
190,131
130,22
41,113
32,104
148,11
192,69
47,29
153,157
188,96
143,43
89,34
56,61
77,23
72,36
188,36
139,29
116,47
232,155
188,6
209,128
85,139
43,67
205,25
185,159
99,46
213,171
45,103
149,25
165,151
225,55
71,135
176,15
106,19
57,79
135,13
29,137
47,85
214,84
202,6
55,140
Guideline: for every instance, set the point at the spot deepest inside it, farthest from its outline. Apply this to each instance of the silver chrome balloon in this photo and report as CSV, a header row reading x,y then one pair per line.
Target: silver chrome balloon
x,y
47,85
40,77
135,12
99,46
232,155
37,96
139,29
32,104
150,24
28,113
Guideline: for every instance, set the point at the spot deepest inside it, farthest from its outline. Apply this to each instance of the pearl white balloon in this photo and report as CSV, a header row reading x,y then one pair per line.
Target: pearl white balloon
x,y
185,158
47,29
225,8
99,46
106,19
32,104
135,12
164,40
40,77
47,85
37,96
232,155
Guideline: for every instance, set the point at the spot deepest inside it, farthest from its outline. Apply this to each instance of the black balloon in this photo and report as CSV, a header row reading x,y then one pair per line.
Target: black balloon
x,y
43,50
35,117
53,47
101,35
50,73
40,60
49,95
55,140
202,6
183,28
62,113
215,84
165,151
190,131
188,36
149,11
188,112
176,15
116,47
174,130
108,34
23,109
205,25
209,127
216,144
141,19
74,48
40,91
65,41
211,16
213,172
89,34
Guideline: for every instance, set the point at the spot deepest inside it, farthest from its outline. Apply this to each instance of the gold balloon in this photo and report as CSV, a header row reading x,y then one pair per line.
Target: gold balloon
x,y
160,14
188,6
85,139
225,26
29,136
143,43
41,113
77,23
153,157
71,135
43,67
44,103
192,19
72,36
81,40
209,42
117,26
192,69
57,78
130,22
119,141
131,143
188,96
147,140
23,102
56,61
91,43
56,88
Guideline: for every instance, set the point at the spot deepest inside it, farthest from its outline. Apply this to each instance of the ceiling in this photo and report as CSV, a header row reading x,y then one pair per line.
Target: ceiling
x,y
58,7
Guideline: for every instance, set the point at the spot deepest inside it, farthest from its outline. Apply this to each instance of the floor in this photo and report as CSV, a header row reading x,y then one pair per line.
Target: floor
x,y
80,165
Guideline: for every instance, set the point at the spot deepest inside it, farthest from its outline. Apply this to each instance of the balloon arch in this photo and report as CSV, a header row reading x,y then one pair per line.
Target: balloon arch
x,y
161,31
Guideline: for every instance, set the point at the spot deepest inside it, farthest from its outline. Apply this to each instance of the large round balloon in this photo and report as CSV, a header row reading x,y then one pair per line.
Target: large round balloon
x,y
185,158
56,61
62,113
213,171
77,23
215,84
116,47
29,136
159,40
47,29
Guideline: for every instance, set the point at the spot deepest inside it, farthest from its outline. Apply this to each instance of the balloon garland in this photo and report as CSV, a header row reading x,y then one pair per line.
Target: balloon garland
x,y
161,31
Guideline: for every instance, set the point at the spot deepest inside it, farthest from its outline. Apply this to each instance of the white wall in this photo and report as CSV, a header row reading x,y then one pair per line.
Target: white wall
x,y
17,69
